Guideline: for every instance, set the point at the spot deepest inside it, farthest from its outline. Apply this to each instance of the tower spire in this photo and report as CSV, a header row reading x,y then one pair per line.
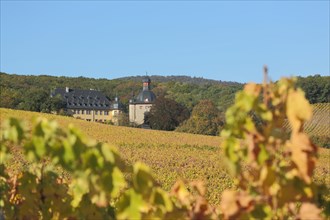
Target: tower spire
x,y
146,83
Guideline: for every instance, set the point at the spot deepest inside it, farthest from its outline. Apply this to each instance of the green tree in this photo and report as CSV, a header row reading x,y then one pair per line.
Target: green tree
x,y
33,100
9,98
316,88
205,119
53,104
166,114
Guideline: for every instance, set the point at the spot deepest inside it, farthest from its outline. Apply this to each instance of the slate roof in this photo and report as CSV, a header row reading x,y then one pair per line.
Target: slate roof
x,y
84,99
145,97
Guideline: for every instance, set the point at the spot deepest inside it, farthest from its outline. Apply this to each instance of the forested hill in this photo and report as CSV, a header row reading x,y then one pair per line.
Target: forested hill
x,y
32,92
180,79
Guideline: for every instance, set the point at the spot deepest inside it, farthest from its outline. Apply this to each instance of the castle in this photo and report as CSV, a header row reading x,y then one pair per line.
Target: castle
x,y
141,104
92,105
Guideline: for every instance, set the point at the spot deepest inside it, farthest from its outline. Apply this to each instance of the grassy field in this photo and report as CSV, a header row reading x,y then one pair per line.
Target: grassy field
x,y
171,155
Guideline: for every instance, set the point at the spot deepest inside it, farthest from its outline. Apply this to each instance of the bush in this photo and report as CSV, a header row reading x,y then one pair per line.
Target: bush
x,y
321,141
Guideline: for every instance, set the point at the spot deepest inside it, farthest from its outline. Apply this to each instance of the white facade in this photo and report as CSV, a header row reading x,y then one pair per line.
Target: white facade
x,y
137,112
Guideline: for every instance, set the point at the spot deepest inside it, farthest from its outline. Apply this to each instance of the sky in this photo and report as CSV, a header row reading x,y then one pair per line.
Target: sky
x,y
221,40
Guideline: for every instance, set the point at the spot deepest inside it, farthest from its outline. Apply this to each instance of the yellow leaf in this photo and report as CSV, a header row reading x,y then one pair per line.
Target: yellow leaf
x,y
229,204
303,154
298,109
252,89
309,211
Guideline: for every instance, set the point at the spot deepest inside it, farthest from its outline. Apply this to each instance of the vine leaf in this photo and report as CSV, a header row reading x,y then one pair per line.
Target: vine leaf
x,y
309,211
303,155
298,110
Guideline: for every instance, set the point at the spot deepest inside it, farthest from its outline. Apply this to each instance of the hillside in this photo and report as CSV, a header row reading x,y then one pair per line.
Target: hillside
x,y
181,79
27,92
32,92
319,126
320,123
171,155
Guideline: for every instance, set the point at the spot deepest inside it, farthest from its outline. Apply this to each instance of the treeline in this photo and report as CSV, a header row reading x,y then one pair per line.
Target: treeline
x,y
30,92
197,104
316,88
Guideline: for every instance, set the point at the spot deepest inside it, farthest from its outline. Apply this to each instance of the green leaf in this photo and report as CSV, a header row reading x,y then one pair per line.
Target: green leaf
x,y
13,130
263,155
161,198
130,205
142,178
79,187
118,181
107,153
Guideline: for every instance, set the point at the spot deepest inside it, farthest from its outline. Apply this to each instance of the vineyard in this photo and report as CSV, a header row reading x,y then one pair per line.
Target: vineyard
x,y
257,169
171,155
319,125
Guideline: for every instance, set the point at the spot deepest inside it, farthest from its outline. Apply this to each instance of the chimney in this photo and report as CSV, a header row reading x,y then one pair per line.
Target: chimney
x,y
67,89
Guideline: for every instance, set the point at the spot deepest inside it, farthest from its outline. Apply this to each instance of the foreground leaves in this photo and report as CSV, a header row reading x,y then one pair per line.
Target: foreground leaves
x,y
71,177
279,168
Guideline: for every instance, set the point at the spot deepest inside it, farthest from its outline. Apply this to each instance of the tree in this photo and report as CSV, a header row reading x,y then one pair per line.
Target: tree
x,y
9,98
53,104
123,119
166,114
205,119
316,88
33,100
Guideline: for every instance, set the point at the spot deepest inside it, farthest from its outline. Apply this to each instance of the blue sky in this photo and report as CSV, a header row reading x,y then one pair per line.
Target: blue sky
x,y
219,40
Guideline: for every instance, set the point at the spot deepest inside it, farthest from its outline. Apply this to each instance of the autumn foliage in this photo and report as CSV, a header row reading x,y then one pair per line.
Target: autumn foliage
x,y
277,179
68,176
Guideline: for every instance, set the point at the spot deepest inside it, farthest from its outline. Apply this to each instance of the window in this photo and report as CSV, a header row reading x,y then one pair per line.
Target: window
x,y
100,112
82,112
88,112
106,112
96,112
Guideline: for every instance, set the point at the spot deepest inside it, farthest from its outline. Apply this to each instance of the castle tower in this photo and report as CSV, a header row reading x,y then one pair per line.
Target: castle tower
x,y
142,103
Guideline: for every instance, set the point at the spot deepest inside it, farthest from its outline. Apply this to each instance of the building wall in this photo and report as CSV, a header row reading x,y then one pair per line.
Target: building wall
x,y
136,112
114,116
92,115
